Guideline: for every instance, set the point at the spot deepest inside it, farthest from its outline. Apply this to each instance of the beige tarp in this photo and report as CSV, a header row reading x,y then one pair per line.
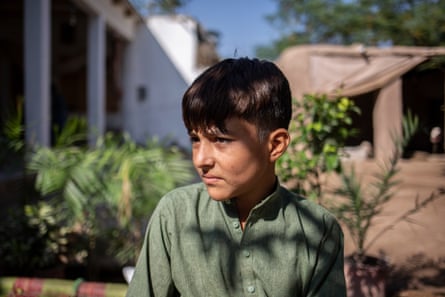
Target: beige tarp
x,y
348,71
356,70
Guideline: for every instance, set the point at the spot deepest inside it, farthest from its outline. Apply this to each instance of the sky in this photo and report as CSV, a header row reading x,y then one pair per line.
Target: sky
x,y
242,23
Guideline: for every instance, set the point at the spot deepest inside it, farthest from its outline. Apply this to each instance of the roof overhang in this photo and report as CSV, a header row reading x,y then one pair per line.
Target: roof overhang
x,y
349,70
119,15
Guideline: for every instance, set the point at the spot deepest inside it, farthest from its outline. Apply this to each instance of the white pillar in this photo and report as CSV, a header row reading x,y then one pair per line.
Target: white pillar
x,y
129,86
96,77
37,35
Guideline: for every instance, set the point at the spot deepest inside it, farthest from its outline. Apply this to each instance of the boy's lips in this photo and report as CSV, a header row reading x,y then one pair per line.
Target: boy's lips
x,y
210,179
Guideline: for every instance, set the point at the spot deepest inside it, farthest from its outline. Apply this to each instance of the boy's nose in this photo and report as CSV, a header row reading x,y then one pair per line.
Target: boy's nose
x,y
202,156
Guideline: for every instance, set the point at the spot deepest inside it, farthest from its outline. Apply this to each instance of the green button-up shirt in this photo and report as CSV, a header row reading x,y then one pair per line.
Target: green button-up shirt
x,y
195,246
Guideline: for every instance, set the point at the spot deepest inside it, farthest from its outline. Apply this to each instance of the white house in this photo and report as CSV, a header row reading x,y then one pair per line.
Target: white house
x,y
165,61
100,59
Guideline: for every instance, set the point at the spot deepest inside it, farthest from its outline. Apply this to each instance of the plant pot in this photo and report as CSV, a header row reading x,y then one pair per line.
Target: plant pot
x,y
365,277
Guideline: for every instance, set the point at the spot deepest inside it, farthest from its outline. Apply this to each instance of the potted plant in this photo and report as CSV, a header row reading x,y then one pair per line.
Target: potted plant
x,y
357,204
319,131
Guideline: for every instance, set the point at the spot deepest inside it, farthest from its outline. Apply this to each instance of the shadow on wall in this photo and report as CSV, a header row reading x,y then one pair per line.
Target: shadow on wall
x,y
418,273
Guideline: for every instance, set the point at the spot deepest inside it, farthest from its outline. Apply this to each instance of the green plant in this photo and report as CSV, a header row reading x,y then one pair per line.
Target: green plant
x,y
12,139
31,239
358,204
117,182
74,132
318,131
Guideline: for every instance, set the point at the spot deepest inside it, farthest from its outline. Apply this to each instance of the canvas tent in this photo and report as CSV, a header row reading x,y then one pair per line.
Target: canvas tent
x,y
379,80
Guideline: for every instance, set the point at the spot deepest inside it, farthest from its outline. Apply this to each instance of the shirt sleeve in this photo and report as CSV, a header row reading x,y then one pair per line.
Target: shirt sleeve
x,y
152,276
328,278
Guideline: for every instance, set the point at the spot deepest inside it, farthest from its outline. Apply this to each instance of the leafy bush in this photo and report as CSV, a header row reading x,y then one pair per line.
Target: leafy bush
x,y
12,144
318,131
110,189
31,239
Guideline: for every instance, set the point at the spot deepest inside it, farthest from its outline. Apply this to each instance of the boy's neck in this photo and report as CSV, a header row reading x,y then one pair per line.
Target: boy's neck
x,y
243,214
244,206
243,210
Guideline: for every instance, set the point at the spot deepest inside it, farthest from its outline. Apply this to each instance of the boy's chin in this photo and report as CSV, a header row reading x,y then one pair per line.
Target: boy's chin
x,y
218,195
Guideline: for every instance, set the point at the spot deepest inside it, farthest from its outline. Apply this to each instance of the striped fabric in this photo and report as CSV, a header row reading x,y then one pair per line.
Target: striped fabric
x,y
91,290
39,287
27,287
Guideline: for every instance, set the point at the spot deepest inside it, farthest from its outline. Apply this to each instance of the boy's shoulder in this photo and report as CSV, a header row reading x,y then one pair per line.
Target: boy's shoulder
x,y
184,195
191,190
305,206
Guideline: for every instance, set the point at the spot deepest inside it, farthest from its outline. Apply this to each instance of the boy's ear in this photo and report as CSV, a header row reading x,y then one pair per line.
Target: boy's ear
x,y
278,142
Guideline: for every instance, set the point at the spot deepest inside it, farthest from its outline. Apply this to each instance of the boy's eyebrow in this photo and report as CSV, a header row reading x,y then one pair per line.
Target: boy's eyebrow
x,y
214,131
208,131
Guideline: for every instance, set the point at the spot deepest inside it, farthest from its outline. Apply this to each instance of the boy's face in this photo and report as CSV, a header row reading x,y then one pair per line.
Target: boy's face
x,y
234,164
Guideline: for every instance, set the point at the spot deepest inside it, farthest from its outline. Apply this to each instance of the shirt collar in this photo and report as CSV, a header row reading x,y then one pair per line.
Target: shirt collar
x,y
269,206
266,208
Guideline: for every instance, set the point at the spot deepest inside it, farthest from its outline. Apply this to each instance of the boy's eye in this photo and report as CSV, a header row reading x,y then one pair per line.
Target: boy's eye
x,y
222,140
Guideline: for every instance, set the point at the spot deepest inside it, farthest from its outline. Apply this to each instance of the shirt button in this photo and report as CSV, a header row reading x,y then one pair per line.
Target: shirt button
x,y
251,289
236,225
246,254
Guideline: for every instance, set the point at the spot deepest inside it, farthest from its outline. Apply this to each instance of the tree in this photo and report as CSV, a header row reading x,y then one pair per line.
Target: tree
x,y
370,22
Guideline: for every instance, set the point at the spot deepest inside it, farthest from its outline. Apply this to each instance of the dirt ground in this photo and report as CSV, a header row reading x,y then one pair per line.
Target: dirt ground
x,y
415,249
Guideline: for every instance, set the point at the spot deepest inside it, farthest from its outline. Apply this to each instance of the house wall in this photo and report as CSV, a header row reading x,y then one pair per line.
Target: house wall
x,y
115,13
153,90
148,68
387,119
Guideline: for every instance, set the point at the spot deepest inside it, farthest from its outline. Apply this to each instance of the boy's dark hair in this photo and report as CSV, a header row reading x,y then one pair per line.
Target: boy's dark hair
x,y
250,89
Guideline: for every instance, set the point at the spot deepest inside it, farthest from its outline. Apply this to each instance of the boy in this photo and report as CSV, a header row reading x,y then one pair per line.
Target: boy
x,y
239,233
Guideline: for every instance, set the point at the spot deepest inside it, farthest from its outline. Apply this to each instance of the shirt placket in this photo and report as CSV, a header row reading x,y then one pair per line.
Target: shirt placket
x,y
244,254
245,257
